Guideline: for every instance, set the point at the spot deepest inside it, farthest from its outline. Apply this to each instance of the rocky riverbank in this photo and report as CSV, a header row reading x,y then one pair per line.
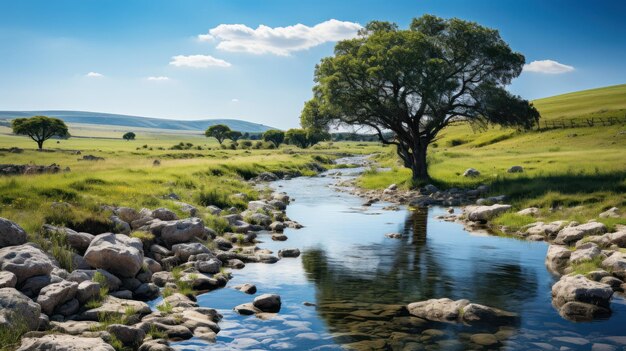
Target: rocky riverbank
x,y
100,303
590,260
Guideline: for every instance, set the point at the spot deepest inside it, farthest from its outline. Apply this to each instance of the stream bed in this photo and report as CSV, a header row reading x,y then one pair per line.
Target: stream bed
x,y
358,279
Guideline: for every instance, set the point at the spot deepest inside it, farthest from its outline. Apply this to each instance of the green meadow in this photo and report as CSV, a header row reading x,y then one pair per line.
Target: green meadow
x,y
571,173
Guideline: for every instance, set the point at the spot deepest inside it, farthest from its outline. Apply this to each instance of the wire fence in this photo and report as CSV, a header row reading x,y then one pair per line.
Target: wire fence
x,y
563,123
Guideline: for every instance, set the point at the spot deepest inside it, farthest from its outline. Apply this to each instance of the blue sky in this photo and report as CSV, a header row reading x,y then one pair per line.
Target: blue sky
x,y
156,58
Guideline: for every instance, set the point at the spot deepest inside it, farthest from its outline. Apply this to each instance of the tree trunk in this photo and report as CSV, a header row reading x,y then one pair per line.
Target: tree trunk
x,y
40,144
418,162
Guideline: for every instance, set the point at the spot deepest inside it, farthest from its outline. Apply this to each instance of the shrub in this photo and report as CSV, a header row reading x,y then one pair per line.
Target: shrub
x,y
456,142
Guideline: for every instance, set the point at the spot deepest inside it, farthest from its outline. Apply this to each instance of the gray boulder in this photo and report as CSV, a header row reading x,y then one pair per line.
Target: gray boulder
x,y
62,342
259,205
78,241
572,234
155,345
11,233
289,253
617,238
26,261
127,214
128,335
164,214
116,253
16,306
545,229
530,211
577,288
119,226
460,311
475,313
612,212
439,310
515,169
616,263
56,294
7,280
585,252
81,275
471,172
187,208
117,307
181,231
486,213
557,258
211,266
246,288
87,290
183,251
268,303
152,265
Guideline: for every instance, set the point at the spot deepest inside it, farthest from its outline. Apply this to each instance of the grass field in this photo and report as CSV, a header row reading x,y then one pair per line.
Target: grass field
x,y
127,176
572,173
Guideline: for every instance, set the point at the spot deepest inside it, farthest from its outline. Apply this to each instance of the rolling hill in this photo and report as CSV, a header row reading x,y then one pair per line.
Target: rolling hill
x,y
97,118
607,101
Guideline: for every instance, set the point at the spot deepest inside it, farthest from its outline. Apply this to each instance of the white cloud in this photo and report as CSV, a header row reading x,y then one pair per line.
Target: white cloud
x,y
198,61
548,67
279,40
235,100
94,75
158,79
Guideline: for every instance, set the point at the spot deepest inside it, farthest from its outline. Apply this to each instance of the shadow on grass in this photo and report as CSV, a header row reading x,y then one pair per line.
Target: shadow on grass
x,y
535,186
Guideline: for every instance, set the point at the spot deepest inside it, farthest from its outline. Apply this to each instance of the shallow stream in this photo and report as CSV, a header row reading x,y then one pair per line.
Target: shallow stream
x,y
358,278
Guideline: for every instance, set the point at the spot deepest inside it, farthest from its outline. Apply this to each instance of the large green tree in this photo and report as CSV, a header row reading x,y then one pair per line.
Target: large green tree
x,y
40,128
407,85
274,136
220,132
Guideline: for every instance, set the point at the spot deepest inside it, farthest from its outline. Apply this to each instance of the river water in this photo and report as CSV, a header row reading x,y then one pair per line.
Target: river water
x,y
358,278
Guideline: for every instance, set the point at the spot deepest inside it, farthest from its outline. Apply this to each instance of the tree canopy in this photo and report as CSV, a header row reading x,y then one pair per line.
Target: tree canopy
x,y
415,82
304,138
274,136
129,136
235,135
40,128
220,132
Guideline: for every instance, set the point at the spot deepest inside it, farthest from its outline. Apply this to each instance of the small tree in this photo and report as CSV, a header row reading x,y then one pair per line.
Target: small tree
x,y
40,128
219,132
234,135
314,136
297,137
129,136
275,136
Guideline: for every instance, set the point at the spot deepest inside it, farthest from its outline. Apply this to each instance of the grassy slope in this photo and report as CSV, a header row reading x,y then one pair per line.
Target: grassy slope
x,y
570,173
586,102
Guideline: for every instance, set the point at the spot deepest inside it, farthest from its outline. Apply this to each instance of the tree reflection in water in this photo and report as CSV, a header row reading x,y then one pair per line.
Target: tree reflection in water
x,y
367,307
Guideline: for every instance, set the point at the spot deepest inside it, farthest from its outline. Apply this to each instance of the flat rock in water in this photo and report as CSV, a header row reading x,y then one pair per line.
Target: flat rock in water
x,y
485,213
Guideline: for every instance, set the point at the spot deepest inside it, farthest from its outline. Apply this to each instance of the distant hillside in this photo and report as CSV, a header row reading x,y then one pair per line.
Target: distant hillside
x,y
139,122
606,101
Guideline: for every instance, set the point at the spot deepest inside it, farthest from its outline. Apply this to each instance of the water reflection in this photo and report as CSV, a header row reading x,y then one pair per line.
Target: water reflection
x,y
416,267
